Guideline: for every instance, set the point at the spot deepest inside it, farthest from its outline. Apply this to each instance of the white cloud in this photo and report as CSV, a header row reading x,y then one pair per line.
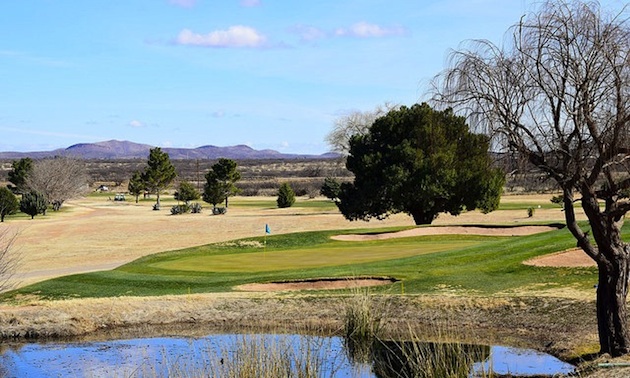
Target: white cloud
x,y
183,3
308,33
250,3
136,123
367,30
234,36
218,114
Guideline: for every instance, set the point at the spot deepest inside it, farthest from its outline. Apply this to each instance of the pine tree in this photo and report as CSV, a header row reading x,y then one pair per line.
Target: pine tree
x,y
33,203
8,203
159,173
136,185
286,196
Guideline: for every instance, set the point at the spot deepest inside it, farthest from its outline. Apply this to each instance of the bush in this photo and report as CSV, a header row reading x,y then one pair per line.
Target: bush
x,y
186,192
286,196
196,208
33,203
558,200
180,209
331,188
219,210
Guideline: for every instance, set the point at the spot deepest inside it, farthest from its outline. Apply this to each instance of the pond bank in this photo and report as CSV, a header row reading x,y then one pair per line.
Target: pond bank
x,y
562,327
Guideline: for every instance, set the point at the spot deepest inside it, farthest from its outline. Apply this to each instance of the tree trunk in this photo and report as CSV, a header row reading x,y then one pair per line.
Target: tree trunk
x,y
422,217
612,313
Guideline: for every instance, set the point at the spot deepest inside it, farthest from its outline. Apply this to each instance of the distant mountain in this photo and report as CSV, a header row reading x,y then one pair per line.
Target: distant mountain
x,y
115,149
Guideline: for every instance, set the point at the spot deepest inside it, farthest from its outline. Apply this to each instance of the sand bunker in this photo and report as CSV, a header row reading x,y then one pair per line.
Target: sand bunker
x,y
318,284
450,230
572,258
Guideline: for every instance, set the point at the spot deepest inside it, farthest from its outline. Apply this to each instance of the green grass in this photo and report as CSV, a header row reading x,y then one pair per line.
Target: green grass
x,y
428,264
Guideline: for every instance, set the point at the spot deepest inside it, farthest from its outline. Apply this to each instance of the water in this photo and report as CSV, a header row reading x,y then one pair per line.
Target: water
x,y
186,356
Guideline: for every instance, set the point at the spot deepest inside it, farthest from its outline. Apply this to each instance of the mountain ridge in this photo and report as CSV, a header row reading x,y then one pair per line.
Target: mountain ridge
x,y
118,150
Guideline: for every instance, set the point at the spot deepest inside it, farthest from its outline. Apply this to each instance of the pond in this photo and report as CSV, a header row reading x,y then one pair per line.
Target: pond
x,y
220,355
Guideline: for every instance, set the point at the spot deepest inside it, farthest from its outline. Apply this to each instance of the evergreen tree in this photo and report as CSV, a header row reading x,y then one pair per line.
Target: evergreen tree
x,y
331,188
18,174
136,185
220,182
8,203
422,162
33,203
186,192
286,196
159,173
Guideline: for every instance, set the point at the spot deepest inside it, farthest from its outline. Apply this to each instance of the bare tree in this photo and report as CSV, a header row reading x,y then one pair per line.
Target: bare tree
x,y
354,123
558,92
58,179
9,259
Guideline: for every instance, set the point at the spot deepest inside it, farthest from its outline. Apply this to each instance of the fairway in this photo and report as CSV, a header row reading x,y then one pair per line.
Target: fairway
x,y
436,264
336,254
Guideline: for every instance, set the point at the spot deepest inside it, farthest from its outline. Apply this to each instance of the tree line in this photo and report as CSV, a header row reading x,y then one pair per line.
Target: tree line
x,y
38,185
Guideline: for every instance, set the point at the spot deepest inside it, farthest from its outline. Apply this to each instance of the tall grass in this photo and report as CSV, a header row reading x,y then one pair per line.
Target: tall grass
x,y
256,356
363,337
421,359
363,323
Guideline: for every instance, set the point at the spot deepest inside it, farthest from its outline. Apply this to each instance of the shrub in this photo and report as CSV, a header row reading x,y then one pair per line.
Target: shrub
x,y
530,211
196,208
331,188
186,192
180,209
33,203
8,203
558,200
286,196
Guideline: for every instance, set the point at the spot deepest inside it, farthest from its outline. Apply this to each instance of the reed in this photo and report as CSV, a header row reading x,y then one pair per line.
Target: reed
x,y
363,323
256,356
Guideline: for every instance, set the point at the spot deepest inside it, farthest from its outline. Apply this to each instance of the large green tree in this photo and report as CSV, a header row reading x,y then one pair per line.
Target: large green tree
x,y
18,174
557,93
422,162
220,181
9,203
159,173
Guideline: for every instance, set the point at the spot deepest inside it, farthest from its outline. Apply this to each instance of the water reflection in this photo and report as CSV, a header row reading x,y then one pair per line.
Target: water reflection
x,y
211,355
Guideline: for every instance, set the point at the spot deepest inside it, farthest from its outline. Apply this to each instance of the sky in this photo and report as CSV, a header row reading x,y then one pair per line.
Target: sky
x,y
270,74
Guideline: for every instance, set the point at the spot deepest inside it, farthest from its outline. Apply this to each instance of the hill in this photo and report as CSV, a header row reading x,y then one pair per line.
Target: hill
x,y
115,149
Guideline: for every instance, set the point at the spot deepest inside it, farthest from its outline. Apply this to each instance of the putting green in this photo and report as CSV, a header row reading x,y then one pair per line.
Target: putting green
x,y
306,258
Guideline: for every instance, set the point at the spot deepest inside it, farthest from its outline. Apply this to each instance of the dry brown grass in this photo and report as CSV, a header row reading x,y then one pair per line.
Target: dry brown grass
x,y
97,234
556,325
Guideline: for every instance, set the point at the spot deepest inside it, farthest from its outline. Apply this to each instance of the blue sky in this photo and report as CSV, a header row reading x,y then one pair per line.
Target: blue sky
x,y
186,73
